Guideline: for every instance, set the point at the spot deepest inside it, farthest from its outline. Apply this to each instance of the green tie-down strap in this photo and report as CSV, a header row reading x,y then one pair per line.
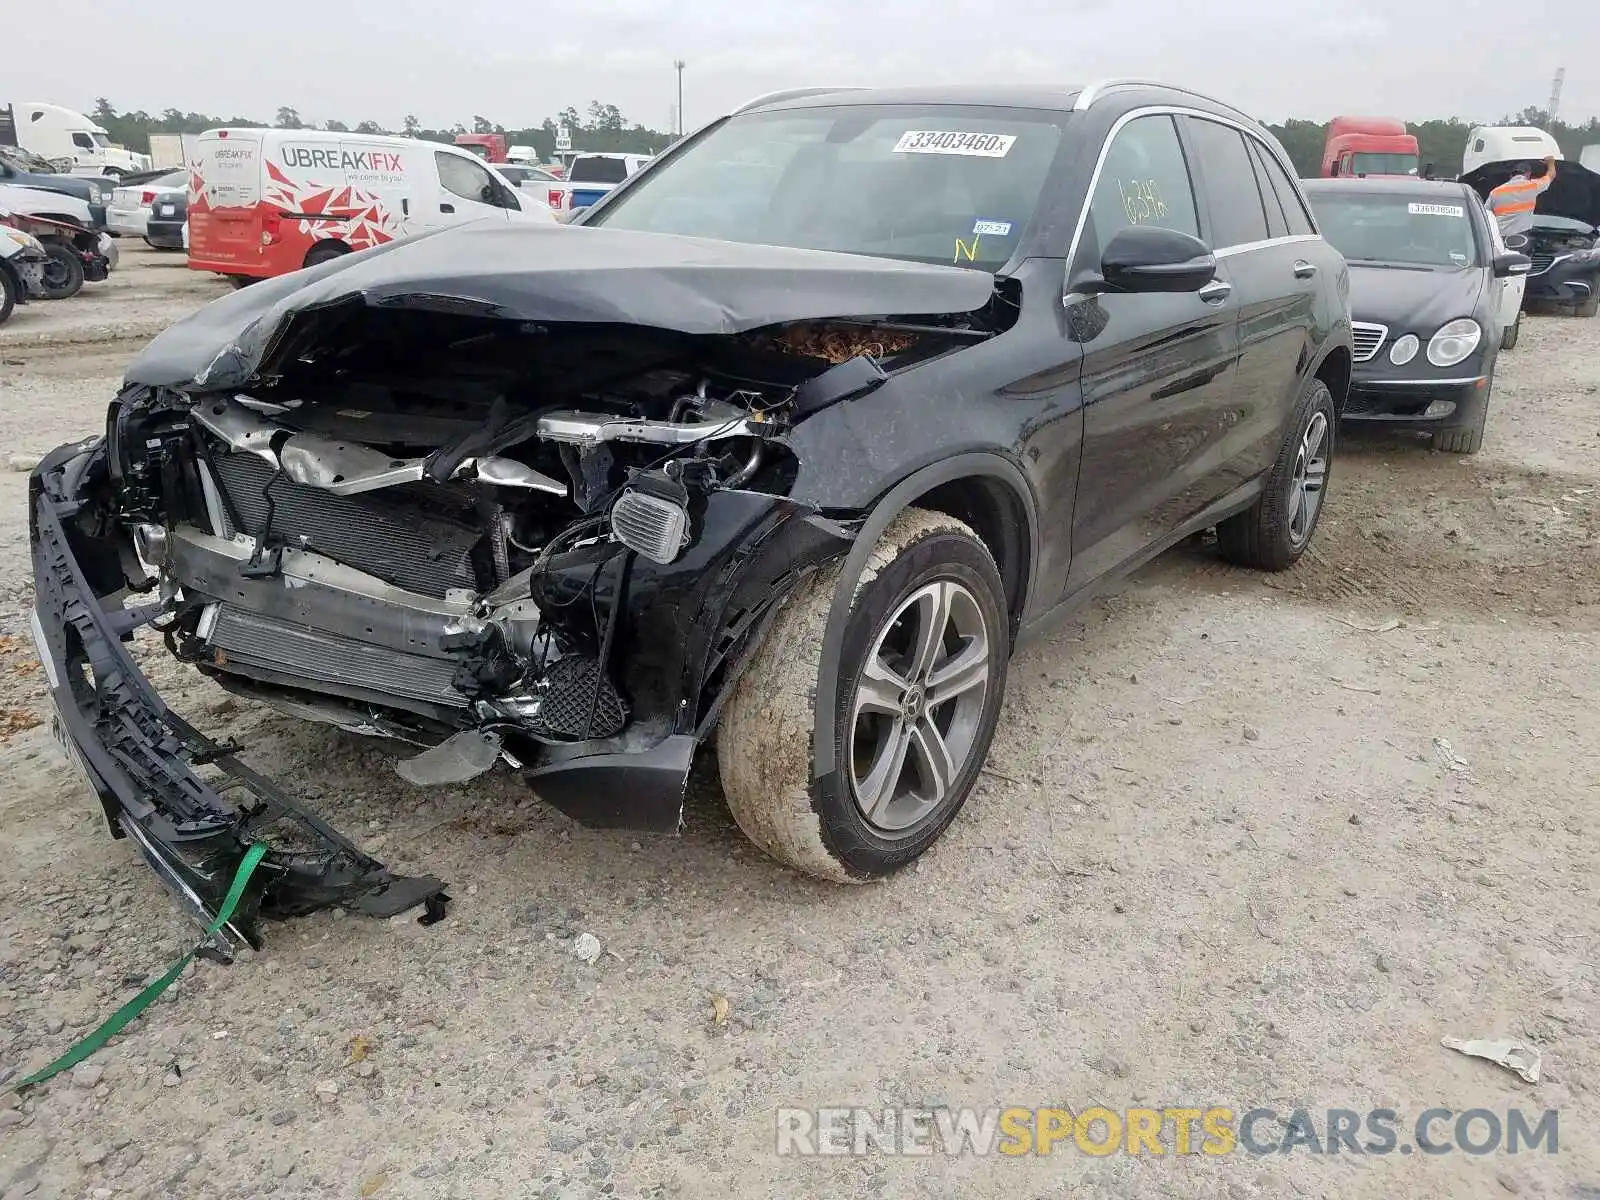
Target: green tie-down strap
x,y
120,1019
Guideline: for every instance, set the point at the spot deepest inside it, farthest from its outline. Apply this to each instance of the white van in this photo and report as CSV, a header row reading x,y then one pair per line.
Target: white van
x,y
68,137
263,202
1507,143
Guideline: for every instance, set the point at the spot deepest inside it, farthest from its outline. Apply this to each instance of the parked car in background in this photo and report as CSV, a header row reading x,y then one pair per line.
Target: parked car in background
x,y
265,202
20,168
22,264
593,175
533,187
168,226
794,469
75,253
1513,288
129,210
1564,243
1425,299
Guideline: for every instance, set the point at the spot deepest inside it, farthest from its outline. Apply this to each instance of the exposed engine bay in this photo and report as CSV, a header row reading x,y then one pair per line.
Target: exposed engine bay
x,y
422,527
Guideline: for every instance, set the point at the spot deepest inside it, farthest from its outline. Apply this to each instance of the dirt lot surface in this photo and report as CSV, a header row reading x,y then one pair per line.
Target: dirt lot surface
x,y
1220,858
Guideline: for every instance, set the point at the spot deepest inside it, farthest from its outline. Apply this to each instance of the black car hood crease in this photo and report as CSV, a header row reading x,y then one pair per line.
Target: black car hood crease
x,y
1574,193
1413,301
557,273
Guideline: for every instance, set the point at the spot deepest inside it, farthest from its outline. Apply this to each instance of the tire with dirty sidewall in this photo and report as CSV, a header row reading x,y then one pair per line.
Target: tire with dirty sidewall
x,y
765,737
1259,536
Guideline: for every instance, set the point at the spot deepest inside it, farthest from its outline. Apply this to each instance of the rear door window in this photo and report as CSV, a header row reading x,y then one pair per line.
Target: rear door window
x,y
1144,180
1276,224
1294,209
1228,182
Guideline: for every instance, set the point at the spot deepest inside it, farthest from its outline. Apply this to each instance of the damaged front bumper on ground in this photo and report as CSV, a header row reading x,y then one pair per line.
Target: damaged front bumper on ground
x,y
159,781
319,640
537,514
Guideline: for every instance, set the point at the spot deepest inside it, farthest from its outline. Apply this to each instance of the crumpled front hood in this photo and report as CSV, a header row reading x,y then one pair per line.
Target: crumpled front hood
x,y
1574,193
559,273
1412,301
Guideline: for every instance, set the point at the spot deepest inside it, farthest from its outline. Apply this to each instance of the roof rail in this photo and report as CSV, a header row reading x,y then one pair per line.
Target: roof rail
x,y
790,94
1094,91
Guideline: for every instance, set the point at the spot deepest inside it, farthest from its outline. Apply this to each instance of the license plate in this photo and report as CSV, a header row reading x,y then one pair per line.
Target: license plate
x,y
167,210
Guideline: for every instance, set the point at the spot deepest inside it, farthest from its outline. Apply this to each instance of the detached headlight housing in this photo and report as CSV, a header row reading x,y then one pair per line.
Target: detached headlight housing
x,y
1454,342
1404,349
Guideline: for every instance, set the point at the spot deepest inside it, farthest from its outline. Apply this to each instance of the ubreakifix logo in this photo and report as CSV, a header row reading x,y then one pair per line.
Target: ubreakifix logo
x,y
360,162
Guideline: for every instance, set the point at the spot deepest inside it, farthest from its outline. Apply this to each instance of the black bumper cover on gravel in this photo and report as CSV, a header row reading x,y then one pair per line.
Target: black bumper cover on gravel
x,y
140,757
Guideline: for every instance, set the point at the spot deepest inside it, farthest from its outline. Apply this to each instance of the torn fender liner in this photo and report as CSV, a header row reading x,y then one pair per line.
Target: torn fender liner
x,y
139,758
557,273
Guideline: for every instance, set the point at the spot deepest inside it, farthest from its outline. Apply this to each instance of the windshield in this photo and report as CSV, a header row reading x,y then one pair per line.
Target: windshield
x,y
100,139
1386,228
1383,164
925,183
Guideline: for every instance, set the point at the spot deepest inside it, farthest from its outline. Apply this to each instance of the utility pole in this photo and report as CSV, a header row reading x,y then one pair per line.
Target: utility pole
x,y
1555,94
679,64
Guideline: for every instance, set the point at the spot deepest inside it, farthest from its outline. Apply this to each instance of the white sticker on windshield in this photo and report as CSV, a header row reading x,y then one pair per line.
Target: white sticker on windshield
x,y
976,145
1435,210
993,228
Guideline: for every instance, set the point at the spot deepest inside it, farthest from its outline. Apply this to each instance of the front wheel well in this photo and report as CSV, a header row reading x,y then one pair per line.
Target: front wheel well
x,y
998,517
323,250
1334,370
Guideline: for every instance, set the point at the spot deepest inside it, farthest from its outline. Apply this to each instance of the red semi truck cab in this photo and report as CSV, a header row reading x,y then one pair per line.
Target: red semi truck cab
x,y
1369,146
491,147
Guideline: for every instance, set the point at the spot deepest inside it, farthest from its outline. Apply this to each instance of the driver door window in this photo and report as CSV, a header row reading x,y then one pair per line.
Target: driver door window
x,y
1144,181
470,190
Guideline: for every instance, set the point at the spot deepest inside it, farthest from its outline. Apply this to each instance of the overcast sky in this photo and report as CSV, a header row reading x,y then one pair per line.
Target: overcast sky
x,y
517,63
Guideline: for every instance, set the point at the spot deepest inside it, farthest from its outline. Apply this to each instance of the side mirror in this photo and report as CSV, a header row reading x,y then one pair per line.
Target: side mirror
x,y
1511,264
1143,258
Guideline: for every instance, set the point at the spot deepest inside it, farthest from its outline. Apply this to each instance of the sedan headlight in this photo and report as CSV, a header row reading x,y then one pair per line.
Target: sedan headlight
x,y
1404,349
98,191
1454,342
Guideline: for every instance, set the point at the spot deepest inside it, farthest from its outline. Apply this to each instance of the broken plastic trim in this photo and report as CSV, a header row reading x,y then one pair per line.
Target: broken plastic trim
x,y
139,756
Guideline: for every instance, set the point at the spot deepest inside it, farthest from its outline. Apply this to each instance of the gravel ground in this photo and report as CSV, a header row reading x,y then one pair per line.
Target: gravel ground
x,y
1217,859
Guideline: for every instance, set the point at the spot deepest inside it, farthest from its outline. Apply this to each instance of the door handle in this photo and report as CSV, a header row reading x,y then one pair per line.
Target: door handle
x,y
1216,291
1304,270
447,208
405,207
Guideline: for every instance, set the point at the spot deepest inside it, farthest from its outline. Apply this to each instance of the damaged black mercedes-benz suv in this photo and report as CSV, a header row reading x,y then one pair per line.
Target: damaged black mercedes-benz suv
x,y
788,440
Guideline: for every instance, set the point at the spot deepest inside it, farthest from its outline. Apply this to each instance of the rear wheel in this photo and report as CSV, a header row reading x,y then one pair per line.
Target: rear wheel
x,y
1509,340
63,274
1274,532
920,681
325,252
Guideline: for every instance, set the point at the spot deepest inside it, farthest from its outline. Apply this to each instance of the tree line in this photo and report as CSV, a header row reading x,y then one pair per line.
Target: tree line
x,y
603,127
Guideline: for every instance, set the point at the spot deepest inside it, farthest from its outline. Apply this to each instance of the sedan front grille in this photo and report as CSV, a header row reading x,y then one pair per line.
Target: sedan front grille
x,y
1541,262
243,639
1368,338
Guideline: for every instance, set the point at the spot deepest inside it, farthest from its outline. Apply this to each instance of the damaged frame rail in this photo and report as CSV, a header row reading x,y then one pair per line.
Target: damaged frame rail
x,y
140,758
